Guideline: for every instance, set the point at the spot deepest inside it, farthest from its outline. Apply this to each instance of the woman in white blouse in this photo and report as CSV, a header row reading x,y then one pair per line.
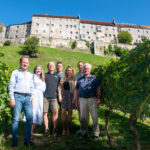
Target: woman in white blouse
x,y
39,88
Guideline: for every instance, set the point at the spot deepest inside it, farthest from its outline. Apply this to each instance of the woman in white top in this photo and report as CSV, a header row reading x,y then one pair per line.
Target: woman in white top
x,y
39,88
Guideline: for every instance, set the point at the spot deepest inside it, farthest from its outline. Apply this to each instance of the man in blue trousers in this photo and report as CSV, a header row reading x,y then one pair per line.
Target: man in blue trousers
x,y
20,93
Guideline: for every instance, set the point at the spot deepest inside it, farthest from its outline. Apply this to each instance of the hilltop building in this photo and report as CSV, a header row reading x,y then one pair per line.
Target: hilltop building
x,y
56,31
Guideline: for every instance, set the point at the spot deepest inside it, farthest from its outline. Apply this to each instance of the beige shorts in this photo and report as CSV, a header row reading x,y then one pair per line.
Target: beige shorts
x,y
49,103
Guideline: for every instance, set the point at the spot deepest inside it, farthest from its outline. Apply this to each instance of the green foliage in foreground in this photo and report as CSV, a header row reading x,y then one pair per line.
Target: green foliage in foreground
x,y
5,110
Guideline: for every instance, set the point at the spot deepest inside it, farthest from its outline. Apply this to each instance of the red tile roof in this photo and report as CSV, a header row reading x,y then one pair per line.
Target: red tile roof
x,y
97,22
2,25
55,16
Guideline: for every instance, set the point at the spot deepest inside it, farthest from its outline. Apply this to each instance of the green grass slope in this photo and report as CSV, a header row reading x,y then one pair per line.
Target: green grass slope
x,y
12,55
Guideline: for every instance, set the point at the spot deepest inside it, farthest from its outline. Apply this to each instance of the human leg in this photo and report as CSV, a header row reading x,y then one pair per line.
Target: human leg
x,y
94,114
83,114
16,114
28,110
63,118
69,121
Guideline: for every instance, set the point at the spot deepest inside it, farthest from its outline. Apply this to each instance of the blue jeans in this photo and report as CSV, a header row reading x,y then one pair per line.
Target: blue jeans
x,y
22,102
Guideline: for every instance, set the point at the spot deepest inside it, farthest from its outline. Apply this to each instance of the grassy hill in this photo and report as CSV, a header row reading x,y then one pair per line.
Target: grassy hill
x,y
12,55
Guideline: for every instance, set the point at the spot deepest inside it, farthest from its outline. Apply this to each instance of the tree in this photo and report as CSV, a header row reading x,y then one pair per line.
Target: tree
x,y
125,85
31,47
124,37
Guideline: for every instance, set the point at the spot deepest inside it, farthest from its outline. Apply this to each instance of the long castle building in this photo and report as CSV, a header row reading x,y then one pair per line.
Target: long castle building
x,y
65,28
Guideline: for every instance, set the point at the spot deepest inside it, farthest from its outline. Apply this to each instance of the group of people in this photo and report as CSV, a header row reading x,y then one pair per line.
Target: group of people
x,y
38,94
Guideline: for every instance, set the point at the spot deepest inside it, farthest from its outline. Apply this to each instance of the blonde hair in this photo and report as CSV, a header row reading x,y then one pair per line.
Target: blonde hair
x,y
73,72
42,76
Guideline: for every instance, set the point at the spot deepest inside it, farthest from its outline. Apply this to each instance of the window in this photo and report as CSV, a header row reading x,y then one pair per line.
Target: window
x,y
89,37
97,38
91,27
109,35
51,31
94,33
139,36
36,31
105,35
83,26
44,31
128,29
87,32
146,31
60,25
70,26
114,35
106,29
37,24
76,32
60,32
70,32
16,36
47,24
17,31
76,37
138,30
52,25
75,26
66,26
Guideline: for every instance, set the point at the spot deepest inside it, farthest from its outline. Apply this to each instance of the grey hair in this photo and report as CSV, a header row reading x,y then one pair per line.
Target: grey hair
x,y
87,64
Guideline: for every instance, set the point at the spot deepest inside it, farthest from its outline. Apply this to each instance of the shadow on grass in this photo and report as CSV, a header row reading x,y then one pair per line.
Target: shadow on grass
x,y
119,130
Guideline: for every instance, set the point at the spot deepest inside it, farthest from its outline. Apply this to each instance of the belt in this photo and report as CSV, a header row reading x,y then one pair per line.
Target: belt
x,y
88,96
23,94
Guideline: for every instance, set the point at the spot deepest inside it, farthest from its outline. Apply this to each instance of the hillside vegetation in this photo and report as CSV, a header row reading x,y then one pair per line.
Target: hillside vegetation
x,y
12,55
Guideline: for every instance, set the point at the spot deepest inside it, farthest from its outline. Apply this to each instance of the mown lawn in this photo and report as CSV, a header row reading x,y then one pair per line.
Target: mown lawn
x,y
12,55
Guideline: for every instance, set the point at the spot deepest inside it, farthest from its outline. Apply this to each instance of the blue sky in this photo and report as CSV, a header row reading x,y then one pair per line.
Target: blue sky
x,y
124,11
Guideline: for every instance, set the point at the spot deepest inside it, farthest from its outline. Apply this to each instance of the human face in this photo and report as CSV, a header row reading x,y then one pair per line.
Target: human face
x,y
59,67
80,66
38,71
24,64
51,67
69,72
86,70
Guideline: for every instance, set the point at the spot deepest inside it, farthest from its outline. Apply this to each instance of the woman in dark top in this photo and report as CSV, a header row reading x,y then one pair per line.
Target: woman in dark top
x,y
65,94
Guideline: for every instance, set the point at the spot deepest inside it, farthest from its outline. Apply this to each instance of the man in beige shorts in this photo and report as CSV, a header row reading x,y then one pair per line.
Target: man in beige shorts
x,y
50,99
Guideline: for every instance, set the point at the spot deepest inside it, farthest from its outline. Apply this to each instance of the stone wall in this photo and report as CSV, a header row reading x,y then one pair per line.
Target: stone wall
x,y
99,47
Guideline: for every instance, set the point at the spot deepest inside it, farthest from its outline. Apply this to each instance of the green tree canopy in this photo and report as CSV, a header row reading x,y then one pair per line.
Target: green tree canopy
x,y
124,37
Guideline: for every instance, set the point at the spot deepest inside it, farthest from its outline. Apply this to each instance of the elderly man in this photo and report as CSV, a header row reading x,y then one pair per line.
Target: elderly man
x,y
88,92
20,92
50,99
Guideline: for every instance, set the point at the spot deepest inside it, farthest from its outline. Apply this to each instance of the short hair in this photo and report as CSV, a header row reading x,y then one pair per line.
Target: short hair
x,y
59,62
80,62
87,64
51,62
73,71
22,57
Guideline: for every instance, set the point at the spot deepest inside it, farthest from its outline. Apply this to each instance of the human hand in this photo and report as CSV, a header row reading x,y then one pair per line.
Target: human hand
x,y
12,103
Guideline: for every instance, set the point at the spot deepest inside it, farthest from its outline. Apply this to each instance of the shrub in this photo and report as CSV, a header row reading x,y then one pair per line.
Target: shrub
x,y
74,45
70,43
109,50
31,47
7,43
87,44
119,51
